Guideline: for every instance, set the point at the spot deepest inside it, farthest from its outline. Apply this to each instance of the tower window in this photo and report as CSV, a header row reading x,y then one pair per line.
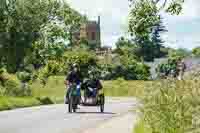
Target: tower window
x,y
93,36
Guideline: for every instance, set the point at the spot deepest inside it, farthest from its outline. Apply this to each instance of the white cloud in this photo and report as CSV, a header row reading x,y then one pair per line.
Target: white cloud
x,y
113,16
191,9
183,29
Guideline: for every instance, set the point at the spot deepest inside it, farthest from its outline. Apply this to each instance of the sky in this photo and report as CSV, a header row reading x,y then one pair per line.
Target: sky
x,y
183,30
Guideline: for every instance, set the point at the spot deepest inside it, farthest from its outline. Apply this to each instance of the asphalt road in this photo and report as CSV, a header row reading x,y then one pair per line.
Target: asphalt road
x,y
56,119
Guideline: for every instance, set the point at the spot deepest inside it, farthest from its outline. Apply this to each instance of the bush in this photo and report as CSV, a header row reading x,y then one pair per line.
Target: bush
x,y
11,86
83,58
24,76
196,51
45,100
129,69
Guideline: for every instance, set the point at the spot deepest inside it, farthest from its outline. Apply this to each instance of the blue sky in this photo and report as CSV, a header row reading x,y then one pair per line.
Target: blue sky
x,y
183,30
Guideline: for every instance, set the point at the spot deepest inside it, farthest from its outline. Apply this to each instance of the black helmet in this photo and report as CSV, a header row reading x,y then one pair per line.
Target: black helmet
x,y
93,73
74,65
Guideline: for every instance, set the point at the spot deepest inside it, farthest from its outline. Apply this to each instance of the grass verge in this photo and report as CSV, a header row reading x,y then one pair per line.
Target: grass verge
x,y
140,127
7,103
120,88
54,89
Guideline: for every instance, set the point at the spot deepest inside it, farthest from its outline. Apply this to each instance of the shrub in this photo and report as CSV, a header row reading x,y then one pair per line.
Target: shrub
x,y
45,100
129,69
84,59
196,51
24,76
11,86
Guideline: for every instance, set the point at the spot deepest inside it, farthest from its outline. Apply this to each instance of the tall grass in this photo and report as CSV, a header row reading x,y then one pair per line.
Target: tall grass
x,y
54,89
125,88
172,106
141,127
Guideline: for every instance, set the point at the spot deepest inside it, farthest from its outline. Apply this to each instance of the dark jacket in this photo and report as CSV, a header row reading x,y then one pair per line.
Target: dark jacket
x,y
95,83
74,77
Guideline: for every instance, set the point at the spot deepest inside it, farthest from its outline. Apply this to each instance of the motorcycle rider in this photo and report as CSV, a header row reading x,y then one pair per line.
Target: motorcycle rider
x,y
74,76
93,85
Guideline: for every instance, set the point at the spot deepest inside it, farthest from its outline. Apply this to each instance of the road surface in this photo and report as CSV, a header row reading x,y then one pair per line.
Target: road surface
x,y
56,119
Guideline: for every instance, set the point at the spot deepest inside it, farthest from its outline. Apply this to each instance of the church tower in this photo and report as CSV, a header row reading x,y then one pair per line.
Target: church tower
x,y
91,31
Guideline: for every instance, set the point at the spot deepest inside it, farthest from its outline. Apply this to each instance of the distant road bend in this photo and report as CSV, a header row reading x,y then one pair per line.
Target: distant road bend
x,y
56,119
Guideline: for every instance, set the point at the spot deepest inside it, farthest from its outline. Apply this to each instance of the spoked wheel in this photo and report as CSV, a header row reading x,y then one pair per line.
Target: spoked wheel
x,y
74,104
70,103
102,102
102,108
66,99
74,108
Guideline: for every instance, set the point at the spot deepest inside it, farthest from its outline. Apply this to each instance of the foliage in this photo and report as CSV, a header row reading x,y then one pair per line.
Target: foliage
x,y
20,23
157,41
83,58
24,76
178,53
169,68
172,106
45,100
11,85
143,16
128,68
196,51
175,7
145,26
84,44
24,22
172,7
126,47
41,53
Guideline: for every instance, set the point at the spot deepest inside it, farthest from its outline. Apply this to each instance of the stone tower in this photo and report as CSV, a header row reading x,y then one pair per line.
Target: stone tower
x,y
91,31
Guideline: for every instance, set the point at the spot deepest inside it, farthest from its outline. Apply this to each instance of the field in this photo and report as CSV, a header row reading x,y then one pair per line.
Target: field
x,y
53,92
55,88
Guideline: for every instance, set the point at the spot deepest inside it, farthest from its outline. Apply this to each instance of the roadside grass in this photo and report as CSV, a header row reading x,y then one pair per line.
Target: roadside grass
x,y
54,89
140,127
125,88
7,103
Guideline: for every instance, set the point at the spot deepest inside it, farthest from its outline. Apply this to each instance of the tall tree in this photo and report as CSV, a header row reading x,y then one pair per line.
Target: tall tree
x,y
126,47
170,6
142,19
22,22
158,29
